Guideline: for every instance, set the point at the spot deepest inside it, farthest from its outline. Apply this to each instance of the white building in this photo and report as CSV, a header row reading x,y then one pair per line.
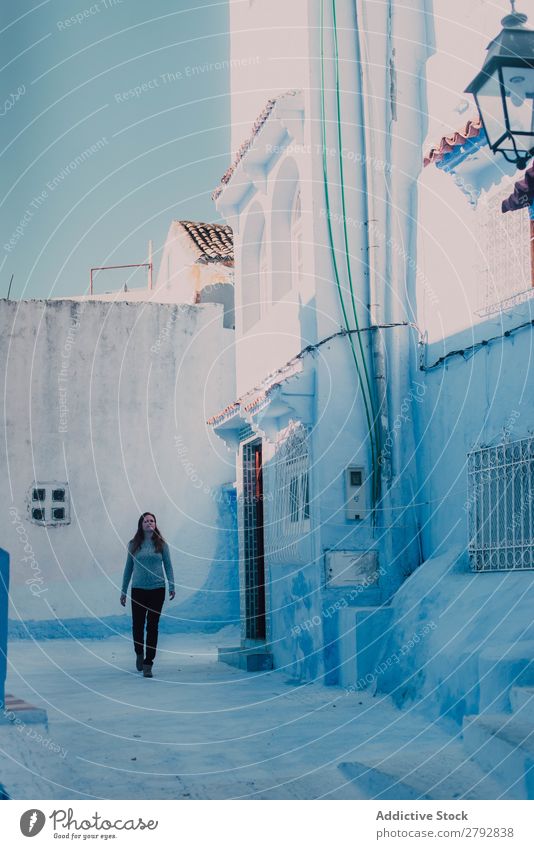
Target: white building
x,y
319,196
386,475
106,402
197,266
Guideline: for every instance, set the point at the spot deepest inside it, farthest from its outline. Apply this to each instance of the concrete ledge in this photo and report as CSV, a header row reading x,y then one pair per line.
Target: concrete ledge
x,y
377,783
520,697
501,668
504,742
91,628
421,771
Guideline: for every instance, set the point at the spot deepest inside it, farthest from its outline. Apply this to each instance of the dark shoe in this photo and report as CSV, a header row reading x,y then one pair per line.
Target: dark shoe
x,y
139,662
147,670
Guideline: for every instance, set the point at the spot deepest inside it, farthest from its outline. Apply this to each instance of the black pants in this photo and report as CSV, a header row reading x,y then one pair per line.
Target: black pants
x,y
146,606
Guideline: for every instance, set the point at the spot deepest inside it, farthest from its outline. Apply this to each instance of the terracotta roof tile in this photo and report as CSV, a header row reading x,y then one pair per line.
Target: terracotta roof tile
x,y
214,241
447,144
256,127
258,396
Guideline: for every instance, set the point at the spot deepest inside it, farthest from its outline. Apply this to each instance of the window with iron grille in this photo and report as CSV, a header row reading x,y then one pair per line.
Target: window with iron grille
x,y
501,506
507,268
48,504
288,526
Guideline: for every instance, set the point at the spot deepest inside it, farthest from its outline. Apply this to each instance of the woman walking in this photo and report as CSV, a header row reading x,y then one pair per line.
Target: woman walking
x,y
148,559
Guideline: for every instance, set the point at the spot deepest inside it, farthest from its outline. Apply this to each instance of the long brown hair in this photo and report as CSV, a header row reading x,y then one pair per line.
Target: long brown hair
x,y
137,541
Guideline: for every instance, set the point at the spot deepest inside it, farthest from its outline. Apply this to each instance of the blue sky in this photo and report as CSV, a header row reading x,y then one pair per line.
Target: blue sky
x,y
114,119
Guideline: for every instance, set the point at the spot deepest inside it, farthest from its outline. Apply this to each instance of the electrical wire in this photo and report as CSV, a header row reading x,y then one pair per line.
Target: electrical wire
x,y
332,247
375,444
476,347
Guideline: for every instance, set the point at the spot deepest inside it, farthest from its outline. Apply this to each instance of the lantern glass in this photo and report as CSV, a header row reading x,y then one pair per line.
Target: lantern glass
x,y
519,90
491,107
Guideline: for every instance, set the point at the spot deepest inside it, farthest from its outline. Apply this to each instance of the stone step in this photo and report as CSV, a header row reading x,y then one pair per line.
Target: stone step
x,y
521,697
500,669
420,772
248,659
503,745
362,633
18,711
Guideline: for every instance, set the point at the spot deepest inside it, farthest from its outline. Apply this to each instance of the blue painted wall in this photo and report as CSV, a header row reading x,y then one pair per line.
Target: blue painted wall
x,y
4,597
469,402
459,640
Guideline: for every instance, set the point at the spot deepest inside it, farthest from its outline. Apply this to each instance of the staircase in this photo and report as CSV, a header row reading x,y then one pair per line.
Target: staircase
x,y
500,738
503,743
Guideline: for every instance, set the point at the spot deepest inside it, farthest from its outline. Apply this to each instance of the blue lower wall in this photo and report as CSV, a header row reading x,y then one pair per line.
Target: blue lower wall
x,y
4,599
458,640
213,607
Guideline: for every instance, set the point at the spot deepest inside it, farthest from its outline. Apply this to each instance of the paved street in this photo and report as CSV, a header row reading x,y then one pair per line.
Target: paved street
x,y
198,729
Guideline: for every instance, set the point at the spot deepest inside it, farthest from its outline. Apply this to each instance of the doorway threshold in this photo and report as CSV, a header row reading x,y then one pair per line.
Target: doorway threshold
x,y
250,659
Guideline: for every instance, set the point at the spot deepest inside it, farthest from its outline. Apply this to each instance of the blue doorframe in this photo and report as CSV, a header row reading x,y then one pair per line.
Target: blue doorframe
x,y
4,597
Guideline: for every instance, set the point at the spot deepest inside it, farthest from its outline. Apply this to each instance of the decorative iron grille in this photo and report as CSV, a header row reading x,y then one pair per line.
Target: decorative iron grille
x,y
289,511
501,506
504,240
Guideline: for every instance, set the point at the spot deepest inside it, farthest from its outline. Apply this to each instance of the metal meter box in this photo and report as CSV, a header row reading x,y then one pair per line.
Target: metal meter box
x,y
355,493
351,568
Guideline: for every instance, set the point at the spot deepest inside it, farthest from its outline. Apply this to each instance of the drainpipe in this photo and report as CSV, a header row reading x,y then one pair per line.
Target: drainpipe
x,y
375,233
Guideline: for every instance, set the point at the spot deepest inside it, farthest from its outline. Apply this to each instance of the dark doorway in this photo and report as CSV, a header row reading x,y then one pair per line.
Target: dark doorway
x,y
253,541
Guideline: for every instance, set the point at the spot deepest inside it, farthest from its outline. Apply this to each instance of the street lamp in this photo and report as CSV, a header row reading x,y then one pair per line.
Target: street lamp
x,y
504,90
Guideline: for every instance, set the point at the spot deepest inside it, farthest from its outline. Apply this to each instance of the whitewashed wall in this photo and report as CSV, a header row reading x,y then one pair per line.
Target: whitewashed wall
x,y
136,383
269,55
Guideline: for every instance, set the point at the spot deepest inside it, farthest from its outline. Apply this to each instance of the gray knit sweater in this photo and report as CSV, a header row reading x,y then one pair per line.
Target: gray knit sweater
x,y
146,566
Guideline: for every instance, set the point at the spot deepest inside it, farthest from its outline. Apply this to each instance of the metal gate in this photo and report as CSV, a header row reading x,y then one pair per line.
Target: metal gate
x,y
501,506
253,544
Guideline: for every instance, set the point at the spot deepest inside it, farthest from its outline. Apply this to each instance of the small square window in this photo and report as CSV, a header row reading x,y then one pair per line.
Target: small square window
x,y
355,478
48,503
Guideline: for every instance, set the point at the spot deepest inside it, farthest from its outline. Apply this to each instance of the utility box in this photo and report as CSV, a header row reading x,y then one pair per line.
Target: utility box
x,y
4,597
355,493
351,568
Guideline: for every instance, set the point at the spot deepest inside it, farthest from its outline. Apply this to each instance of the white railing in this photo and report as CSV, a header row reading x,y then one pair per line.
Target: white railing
x,y
501,506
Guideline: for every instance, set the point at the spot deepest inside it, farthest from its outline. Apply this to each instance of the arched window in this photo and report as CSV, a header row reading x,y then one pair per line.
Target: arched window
x,y
286,230
263,268
254,276
297,253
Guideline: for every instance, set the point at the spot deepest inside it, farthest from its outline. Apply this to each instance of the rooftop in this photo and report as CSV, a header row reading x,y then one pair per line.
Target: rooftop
x,y
213,242
472,130
249,141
